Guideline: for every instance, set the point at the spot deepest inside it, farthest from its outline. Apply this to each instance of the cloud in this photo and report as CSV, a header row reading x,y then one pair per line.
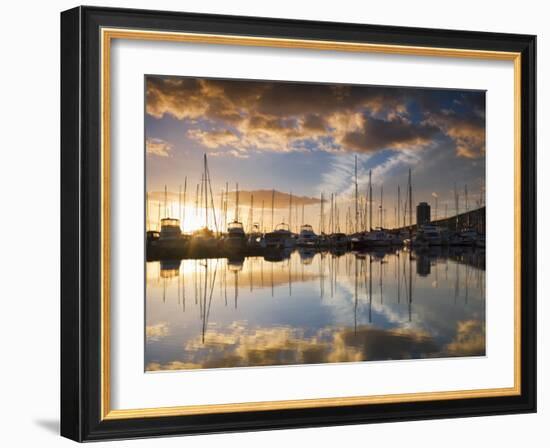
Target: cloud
x,y
214,139
375,134
172,365
230,153
469,339
340,172
238,116
158,147
243,347
466,131
156,332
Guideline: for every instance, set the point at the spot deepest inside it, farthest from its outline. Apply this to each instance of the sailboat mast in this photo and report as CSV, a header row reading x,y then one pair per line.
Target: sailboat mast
x,y
158,217
251,212
456,208
148,223
356,196
337,212
205,195
398,205
222,226
209,185
165,201
290,213
332,213
297,219
370,200
237,203
225,205
262,219
272,209
197,201
410,202
381,204
322,217
466,205
184,203
179,206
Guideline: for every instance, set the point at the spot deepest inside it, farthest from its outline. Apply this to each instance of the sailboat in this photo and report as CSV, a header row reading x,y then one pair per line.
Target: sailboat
x,y
235,238
281,237
205,238
377,237
254,238
337,239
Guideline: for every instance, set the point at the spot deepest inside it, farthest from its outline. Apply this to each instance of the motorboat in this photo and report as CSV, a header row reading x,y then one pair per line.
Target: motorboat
x,y
469,237
255,237
307,237
235,239
169,229
169,237
339,240
377,237
466,237
428,235
280,238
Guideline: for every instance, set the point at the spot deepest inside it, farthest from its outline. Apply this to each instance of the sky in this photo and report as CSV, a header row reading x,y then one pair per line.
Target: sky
x,y
301,140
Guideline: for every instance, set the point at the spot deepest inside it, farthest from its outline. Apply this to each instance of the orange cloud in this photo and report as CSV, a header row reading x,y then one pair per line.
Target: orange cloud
x,y
157,331
469,339
273,116
158,147
240,347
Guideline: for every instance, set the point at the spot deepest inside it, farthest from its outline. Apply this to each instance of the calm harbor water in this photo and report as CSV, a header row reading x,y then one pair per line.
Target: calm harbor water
x,y
310,307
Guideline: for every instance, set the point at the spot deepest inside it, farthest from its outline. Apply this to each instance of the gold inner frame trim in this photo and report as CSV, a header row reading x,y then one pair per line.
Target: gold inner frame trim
x,y
107,35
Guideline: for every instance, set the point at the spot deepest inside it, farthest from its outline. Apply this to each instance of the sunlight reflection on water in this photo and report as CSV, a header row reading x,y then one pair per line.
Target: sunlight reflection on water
x,y
312,307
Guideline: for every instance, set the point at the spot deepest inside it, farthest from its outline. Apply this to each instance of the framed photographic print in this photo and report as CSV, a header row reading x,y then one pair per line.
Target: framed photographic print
x,y
275,224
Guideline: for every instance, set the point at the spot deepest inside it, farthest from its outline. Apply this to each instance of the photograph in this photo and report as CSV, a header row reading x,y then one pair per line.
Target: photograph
x,y
292,223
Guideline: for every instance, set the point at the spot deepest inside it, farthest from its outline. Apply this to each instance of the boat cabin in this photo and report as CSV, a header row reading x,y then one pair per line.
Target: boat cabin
x,y
169,229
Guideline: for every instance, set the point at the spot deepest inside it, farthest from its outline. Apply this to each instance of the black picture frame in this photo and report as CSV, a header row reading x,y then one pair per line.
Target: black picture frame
x,y
81,224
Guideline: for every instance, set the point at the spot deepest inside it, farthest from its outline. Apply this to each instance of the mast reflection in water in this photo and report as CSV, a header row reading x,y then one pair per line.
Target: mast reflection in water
x,y
306,307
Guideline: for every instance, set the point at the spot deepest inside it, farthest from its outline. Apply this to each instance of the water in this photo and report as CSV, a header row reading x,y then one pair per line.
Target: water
x,y
304,308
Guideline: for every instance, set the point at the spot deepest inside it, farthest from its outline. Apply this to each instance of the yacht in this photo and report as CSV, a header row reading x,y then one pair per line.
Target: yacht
x,y
280,238
397,239
377,237
339,240
468,237
169,229
235,239
428,234
255,237
170,236
307,237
